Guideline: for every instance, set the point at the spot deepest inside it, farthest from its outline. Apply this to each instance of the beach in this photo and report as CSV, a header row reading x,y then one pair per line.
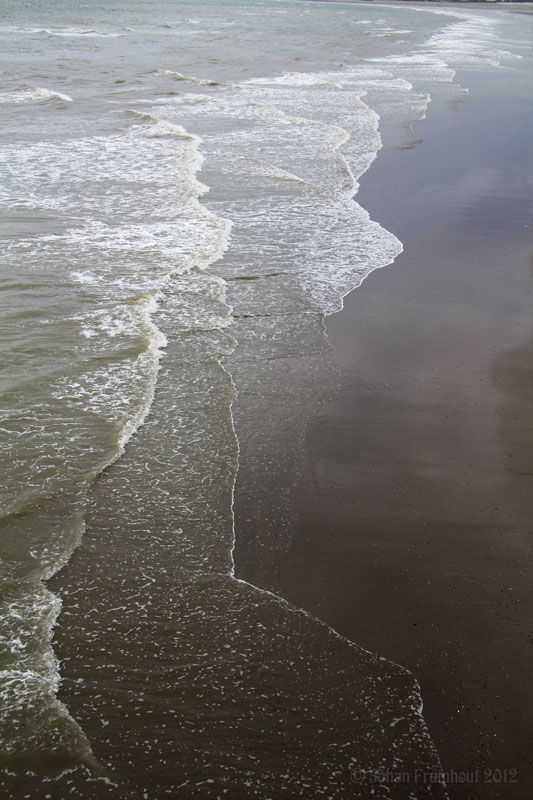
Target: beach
x,y
415,507
265,320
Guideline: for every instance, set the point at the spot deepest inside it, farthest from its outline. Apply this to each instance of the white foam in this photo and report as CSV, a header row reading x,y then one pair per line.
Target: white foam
x,y
295,79
159,127
32,715
75,32
184,97
86,34
178,76
34,94
469,41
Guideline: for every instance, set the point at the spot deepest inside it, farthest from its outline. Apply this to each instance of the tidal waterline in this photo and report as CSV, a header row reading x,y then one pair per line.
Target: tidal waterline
x,y
131,278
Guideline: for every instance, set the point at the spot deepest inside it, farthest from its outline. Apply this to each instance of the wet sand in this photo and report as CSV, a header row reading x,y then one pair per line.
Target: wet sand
x,y
414,509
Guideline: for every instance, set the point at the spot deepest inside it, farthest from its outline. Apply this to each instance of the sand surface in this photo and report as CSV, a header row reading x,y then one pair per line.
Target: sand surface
x,y
413,533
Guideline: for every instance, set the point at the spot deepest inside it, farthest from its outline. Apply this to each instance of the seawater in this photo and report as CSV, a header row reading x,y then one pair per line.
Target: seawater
x,y
179,217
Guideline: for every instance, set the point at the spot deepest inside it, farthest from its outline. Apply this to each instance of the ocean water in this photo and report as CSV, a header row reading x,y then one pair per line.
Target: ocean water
x,y
180,216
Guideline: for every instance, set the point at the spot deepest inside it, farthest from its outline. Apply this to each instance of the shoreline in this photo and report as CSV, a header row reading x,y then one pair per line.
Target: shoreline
x,y
167,672
413,507
527,4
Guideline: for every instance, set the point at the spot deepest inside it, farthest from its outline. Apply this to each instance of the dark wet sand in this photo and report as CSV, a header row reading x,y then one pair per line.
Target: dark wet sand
x,y
415,508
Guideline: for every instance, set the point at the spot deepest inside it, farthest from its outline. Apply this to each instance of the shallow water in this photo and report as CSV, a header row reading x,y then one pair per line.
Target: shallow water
x,y
180,219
